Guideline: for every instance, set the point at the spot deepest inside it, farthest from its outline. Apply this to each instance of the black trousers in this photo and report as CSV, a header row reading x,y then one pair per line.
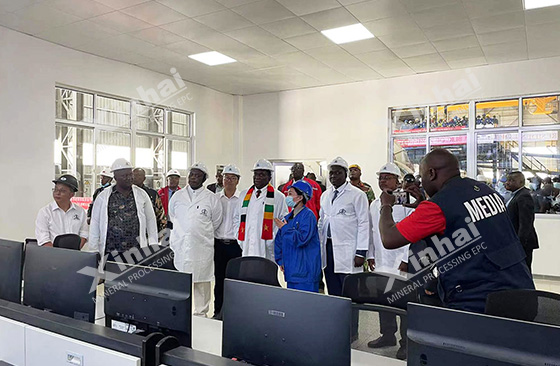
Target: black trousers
x,y
388,325
224,251
335,282
529,258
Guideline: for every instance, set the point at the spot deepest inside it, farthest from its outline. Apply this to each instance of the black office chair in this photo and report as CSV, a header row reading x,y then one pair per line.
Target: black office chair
x,y
67,241
529,305
253,269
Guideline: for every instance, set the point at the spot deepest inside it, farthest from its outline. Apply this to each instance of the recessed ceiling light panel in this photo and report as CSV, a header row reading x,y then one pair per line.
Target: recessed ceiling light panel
x,y
535,4
347,34
212,58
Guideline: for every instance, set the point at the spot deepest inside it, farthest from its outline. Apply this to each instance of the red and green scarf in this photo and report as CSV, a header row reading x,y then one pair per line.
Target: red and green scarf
x,y
268,225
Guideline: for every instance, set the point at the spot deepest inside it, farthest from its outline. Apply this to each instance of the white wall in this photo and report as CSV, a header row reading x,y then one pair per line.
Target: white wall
x,y
351,121
29,70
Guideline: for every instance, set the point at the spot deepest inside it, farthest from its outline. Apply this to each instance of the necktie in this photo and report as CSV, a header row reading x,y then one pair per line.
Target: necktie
x,y
329,227
258,193
335,195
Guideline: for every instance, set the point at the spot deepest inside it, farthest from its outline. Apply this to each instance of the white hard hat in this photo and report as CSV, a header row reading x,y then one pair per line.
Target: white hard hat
x,y
119,164
262,164
390,168
106,173
231,169
173,172
338,161
200,166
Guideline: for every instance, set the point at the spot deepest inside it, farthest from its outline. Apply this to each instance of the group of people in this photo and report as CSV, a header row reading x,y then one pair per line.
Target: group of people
x,y
310,233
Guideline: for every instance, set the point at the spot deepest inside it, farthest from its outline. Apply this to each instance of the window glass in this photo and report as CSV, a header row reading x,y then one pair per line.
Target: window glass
x,y
150,156
499,113
497,155
410,120
408,152
177,158
110,146
449,118
179,124
112,112
74,106
455,144
148,118
540,111
73,154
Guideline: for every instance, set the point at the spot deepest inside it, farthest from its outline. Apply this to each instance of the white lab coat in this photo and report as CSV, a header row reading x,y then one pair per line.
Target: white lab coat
x,y
99,219
386,260
348,218
195,216
253,245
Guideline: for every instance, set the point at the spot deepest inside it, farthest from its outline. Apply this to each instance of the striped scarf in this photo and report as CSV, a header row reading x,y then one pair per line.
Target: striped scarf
x,y
267,217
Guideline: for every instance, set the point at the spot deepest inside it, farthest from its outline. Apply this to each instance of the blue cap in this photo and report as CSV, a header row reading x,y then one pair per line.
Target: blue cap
x,y
304,188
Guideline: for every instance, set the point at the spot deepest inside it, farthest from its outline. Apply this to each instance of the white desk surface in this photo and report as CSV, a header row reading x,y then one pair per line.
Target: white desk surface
x,y
207,337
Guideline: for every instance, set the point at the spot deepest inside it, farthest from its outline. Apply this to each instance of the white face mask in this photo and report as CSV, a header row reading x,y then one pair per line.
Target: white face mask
x,y
556,185
534,186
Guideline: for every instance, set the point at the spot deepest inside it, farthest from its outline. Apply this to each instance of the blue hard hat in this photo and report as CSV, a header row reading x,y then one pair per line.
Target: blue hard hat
x,y
303,188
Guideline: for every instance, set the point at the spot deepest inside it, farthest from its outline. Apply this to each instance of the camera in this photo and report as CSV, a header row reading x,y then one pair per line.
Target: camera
x,y
401,197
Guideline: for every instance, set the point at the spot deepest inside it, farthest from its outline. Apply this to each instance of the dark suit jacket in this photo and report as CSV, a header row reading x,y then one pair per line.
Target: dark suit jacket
x,y
521,210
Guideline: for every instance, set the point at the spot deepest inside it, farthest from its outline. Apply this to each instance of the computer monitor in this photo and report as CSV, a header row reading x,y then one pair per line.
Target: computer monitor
x,y
161,258
52,281
147,300
439,336
266,325
11,265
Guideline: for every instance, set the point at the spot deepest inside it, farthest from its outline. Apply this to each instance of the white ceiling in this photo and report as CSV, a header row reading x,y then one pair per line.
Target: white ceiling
x,y
278,44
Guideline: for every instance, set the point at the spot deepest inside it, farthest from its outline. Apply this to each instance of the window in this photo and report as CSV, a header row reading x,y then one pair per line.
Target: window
x,y
490,139
92,130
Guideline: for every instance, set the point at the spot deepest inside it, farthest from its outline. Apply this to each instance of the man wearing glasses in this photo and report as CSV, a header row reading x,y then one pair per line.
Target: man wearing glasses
x,y
61,216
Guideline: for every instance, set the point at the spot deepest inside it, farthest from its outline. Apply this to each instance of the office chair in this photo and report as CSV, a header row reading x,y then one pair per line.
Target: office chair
x,y
529,305
67,241
253,269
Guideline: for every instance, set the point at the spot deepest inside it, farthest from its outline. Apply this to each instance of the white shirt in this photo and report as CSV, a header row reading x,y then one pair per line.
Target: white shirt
x,y
348,218
227,230
253,245
53,221
386,260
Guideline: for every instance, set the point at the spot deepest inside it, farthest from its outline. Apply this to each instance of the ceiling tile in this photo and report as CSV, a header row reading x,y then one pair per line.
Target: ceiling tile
x,y
121,4
289,28
241,52
157,36
260,62
385,26
127,42
224,20
80,8
46,15
187,48
505,36
544,15
483,8
462,54
349,2
234,3
414,6
261,40
188,28
453,29
414,50
193,8
154,13
393,69
343,62
63,37
378,57
467,62
540,40
297,59
309,41
122,22
499,22
156,65
403,39
364,46
23,25
10,6
359,71
427,63
329,19
377,9
100,49
440,15
299,7
505,52
265,11
88,29
455,43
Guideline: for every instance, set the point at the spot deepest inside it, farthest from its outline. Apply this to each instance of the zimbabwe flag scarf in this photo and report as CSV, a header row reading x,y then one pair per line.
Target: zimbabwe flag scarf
x,y
268,225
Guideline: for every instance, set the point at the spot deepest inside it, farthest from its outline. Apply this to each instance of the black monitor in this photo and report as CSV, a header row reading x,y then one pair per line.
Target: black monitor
x,y
52,281
266,325
147,300
438,336
11,265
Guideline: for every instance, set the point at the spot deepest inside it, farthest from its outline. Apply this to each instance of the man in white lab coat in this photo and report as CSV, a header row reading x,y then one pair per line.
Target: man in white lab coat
x,y
343,227
123,217
391,261
196,213
258,207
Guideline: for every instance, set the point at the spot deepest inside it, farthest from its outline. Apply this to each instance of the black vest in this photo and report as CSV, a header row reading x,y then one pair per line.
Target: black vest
x,y
479,251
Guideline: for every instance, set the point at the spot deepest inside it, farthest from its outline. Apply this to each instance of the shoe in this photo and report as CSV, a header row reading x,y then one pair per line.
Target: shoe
x,y
383,341
401,353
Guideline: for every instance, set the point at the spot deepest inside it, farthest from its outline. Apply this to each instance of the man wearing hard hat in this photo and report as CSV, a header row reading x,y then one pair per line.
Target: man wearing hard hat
x,y
226,247
259,206
106,179
123,217
388,261
173,177
61,216
196,213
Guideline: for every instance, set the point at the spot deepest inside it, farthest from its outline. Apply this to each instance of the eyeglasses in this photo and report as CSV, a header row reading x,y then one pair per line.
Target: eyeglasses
x,y
386,177
62,191
230,177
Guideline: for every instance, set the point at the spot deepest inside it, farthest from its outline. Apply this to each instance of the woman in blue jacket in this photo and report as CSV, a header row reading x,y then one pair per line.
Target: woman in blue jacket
x,y
297,248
